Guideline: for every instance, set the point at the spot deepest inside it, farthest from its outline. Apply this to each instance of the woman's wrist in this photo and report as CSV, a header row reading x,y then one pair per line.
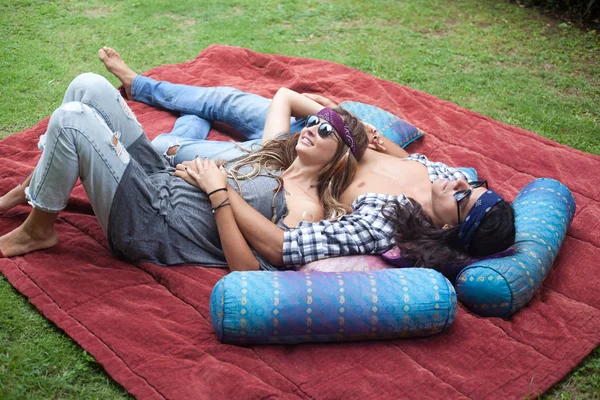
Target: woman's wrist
x,y
224,203
224,188
218,198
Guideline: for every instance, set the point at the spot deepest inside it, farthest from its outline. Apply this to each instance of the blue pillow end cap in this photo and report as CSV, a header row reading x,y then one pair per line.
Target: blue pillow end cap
x,y
552,188
484,291
217,298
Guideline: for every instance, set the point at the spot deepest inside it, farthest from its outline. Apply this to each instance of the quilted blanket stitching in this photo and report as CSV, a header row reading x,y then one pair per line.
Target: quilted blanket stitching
x,y
85,327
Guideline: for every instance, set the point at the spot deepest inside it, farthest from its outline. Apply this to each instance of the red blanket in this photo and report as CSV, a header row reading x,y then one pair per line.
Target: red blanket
x,y
149,326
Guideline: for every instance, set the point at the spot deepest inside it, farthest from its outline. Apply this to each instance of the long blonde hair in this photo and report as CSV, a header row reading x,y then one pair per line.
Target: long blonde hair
x,y
278,154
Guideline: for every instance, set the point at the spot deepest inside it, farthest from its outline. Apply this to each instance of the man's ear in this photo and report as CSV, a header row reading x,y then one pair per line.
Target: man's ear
x,y
446,226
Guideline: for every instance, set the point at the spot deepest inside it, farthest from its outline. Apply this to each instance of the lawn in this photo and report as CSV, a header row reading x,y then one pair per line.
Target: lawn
x,y
490,56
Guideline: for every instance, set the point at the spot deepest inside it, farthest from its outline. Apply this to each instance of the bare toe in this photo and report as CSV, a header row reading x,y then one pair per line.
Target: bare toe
x,y
111,52
16,196
115,64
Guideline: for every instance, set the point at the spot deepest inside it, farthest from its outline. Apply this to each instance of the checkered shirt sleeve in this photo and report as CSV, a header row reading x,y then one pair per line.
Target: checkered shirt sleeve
x,y
438,170
365,231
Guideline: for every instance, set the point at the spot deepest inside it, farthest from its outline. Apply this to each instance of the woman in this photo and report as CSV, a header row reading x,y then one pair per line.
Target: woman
x,y
153,213
425,223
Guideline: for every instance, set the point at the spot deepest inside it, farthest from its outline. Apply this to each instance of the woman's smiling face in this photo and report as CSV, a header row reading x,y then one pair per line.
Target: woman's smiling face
x,y
313,146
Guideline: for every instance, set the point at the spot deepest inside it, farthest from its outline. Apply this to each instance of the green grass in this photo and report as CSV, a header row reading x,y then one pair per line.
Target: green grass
x,y
37,361
493,57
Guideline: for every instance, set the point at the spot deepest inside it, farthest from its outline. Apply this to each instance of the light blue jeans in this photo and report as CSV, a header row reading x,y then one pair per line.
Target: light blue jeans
x,y
199,106
79,143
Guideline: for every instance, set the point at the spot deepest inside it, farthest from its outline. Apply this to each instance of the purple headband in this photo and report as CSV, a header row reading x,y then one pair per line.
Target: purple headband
x,y
482,206
340,127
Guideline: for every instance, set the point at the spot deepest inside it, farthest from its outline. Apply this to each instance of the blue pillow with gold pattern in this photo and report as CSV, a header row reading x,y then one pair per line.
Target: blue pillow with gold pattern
x,y
397,130
264,307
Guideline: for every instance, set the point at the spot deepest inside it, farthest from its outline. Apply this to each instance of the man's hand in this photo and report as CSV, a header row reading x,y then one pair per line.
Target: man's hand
x,y
181,172
375,140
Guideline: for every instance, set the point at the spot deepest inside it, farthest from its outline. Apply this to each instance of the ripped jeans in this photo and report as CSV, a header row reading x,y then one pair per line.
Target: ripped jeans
x,y
199,106
87,138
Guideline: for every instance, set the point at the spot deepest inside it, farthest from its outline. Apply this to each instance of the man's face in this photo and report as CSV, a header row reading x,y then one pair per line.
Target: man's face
x,y
444,204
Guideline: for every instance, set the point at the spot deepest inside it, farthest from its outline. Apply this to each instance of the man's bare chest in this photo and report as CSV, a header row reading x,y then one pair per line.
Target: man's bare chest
x,y
389,175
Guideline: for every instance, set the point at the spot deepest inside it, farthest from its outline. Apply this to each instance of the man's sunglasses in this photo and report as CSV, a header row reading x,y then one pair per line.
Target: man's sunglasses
x,y
324,130
465,194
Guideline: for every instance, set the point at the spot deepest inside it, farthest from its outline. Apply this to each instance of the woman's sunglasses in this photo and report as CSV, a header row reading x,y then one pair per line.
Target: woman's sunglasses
x,y
324,130
465,194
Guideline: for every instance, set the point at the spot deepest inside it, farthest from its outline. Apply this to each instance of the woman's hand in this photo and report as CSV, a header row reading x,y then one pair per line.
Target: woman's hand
x,y
375,141
322,100
202,173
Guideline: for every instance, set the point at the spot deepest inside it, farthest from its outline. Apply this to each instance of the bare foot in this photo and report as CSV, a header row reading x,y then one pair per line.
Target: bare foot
x,y
16,196
23,240
115,65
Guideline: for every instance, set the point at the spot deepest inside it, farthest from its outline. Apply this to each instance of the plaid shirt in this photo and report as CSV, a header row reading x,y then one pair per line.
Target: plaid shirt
x,y
365,231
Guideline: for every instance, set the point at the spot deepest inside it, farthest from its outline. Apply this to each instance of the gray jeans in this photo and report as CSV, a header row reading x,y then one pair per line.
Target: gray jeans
x,y
87,138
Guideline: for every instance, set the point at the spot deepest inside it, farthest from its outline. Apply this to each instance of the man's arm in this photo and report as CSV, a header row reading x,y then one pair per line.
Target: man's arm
x,y
380,143
365,231
392,148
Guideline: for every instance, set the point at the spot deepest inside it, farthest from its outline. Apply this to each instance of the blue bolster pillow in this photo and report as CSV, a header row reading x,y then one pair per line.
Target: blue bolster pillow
x,y
261,307
500,287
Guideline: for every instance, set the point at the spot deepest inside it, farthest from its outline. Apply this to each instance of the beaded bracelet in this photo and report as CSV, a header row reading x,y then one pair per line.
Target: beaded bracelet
x,y
223,204
214,210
